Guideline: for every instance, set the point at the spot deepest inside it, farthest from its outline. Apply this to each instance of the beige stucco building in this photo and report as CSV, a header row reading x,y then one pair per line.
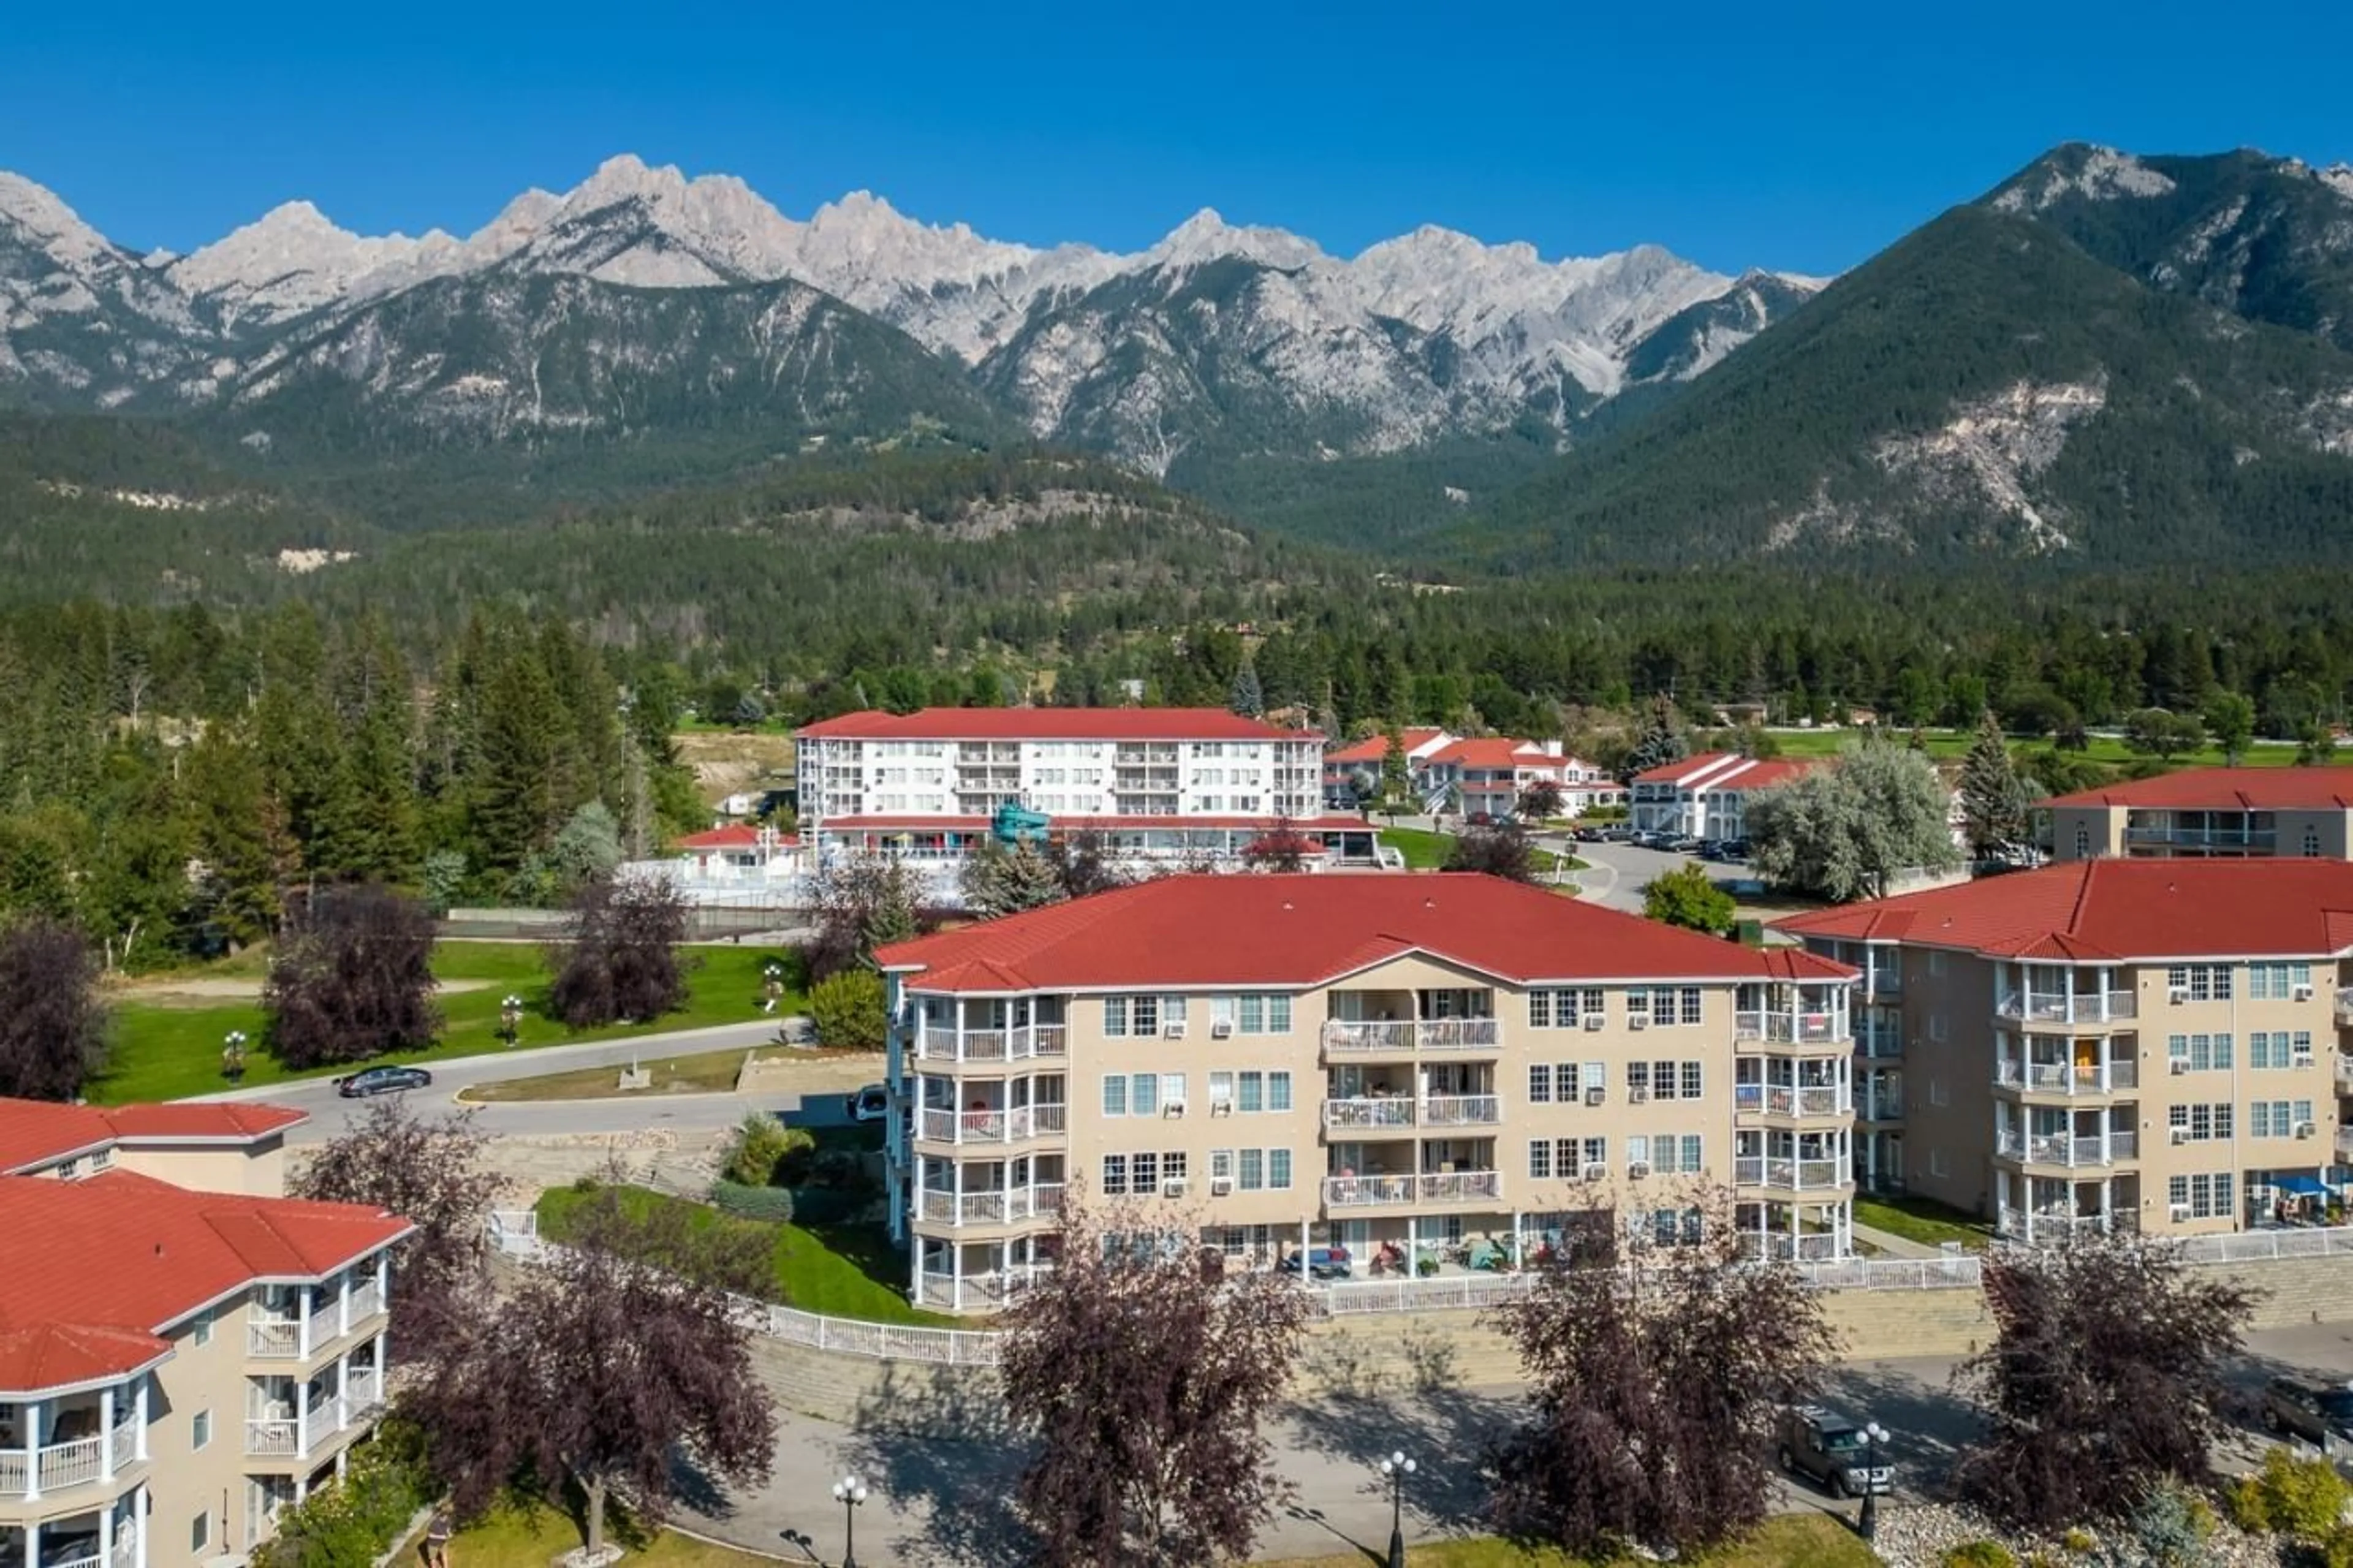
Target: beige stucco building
x,y
2225,813
2151,1044
1399,1066
182,1350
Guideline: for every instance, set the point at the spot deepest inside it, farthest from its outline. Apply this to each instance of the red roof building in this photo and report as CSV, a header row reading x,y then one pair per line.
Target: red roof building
x,y
2209,812
1049,724
1705,795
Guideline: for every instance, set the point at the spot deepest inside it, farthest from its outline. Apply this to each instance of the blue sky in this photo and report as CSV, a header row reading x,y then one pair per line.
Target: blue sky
x,y
1797,137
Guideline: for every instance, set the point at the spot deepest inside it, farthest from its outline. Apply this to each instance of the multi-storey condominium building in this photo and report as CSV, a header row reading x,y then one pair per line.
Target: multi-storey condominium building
x,y
1705,795
2150,1044
1152,782
1413,1063
182,1353
1476,776
2212,812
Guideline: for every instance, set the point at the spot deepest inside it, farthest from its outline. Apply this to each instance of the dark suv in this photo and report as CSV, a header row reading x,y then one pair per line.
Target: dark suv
x,y
2315,1412
1830,1451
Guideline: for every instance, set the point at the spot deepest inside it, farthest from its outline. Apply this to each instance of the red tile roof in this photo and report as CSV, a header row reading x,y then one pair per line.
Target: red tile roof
x,y
1307,929
2108,910
1373,748
1725,770
37,1132
1049,724
1497,752
1078,822
62,1355
734,835
126,1256
2227,789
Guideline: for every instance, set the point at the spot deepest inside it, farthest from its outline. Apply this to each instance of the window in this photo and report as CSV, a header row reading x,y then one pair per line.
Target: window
x,y
1114,1095
1638,1080
1937,1162
1637,1150
1253,1170
1114,1017
1597,1151
2279,1049
1221,1164
203,1329
1144,1014
1143,1173
1221,1090
201,1430
1278,1169
2205,1197
1253,1094
2277,1117
2277,982
2203,982
1114,1175
2082,842
1666,1005
1674,1154
1539,1159
200,1532
2201,1123
1278,1091
1144,1094
1259,1014
2312,844
1564,1009
1172,1089
1693,1078
1937,1095
2199,1053
1539,1088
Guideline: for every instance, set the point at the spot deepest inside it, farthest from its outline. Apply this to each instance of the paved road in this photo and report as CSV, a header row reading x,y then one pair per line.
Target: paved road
x,y
1619,872
944,1499
330,1113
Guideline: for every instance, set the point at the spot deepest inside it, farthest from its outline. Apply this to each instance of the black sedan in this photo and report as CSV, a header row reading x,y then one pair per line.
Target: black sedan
x,y
383,1080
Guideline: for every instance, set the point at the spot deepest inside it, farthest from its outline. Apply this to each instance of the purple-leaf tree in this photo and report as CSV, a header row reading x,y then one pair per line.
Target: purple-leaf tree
x,y
352,978
620,961
52,1026
1145,1373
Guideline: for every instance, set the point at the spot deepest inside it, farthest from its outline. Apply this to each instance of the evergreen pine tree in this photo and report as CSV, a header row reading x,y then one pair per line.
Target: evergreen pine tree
x,y
1246,698
1662,740
1993,801
1397,770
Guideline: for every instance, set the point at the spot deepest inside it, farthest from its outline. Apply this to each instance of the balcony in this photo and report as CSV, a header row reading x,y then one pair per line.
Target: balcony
x,y
2241,840
1781,1028
999,1205
2072,1149
82,1462
1881,1038
271,1337
1406,1034
1018,1125
993,1287
1024,1042
2039,1009
1379,1191
1461,1110
2068,1079
1789,1101
1782,1173
1883,1106
1389,1113
2044,1226
2345,1146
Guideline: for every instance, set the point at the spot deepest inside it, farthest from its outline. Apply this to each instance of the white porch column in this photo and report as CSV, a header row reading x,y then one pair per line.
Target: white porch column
x,y
34,1409
105,1539
303,1323
343,1457
301,1418
384,1363
139,1414
301,1490
955,1186
342,1390
32,1542
343,1306
139,1506
2107,1198
384,1281
105,1446
955,1262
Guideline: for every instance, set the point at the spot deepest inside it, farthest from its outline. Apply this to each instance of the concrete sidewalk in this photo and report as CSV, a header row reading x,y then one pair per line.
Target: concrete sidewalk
x,y
1894,1245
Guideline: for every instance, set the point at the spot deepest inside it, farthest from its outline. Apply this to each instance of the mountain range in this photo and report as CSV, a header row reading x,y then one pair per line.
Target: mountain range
x,y
2107,357
642,298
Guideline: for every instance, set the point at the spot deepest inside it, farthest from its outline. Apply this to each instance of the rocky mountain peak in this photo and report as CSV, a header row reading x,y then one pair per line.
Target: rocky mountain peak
x,y
1208,236
46,222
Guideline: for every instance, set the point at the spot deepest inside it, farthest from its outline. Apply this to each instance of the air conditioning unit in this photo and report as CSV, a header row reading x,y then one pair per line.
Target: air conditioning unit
x,y
2306,1130
1174,1187
1595,1096
1637,1170
2177,994
1172,1031
2180,1065
2181,1135
1221,1108
1638,1095
2178,1212
1597,1172
1173,1107
2304,992
1592,1021
1223,1029
1638,1020
1220,1185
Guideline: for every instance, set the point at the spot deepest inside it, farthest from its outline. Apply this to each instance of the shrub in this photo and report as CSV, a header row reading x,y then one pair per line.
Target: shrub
x,y
1980,1554
771,1203
849,1010
762,1146
2302,1498
2337,1552
2079,1541
349,1522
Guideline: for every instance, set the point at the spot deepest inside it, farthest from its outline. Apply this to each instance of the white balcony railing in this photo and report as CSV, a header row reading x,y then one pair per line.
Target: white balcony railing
x,y
2067,1078
1786,1174
1406,1034
998,1205
367,1300
1779,1027
1461,1110
271,1338
1365,1192
935,1043
362,1389
1023,1121
1402,1187
2089,1149
326,1322
1456,1035
1384,1035
1394,1110
2064,1007
274,1436
1459,1187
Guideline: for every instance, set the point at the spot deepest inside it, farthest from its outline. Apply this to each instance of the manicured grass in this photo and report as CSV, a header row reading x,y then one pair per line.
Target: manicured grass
x,y
1923,1220
1791,1542
841,1272
163,1051
1423,850
1952,744
532,1537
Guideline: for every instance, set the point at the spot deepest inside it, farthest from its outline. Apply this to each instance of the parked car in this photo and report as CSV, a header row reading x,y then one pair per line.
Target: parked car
x,y
2315,1412
1479,819
1736,850
871,1103
1590,835
1621,834
381,1080
1685,845
1323,1263
1830,1451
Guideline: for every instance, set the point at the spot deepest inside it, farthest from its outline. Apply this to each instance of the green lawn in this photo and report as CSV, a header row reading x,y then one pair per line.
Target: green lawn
x,y
1923,1220
841,1272
1952,744
165,1049
1423,850
533,1537
1809,1541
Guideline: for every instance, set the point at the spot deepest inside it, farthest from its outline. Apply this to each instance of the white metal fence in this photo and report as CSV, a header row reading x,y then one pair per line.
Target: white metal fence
x,y
515,1234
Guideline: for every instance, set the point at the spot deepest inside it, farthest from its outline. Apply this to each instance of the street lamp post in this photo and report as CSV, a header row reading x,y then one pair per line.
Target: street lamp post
x,y
233,1056
1874,1436
511,1017
772,984
850,1493
1395,1468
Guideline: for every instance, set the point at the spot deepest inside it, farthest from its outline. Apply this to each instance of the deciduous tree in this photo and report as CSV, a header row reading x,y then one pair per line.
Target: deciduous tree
x,y
1688,897
1654,1377
1502,850
1145,1374
52,1024
2230,721
1845,831
1539,800
1282,848
616,1354
430,1173
2157,732
620,958
352,978
2103,1380
862,902
1083,863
